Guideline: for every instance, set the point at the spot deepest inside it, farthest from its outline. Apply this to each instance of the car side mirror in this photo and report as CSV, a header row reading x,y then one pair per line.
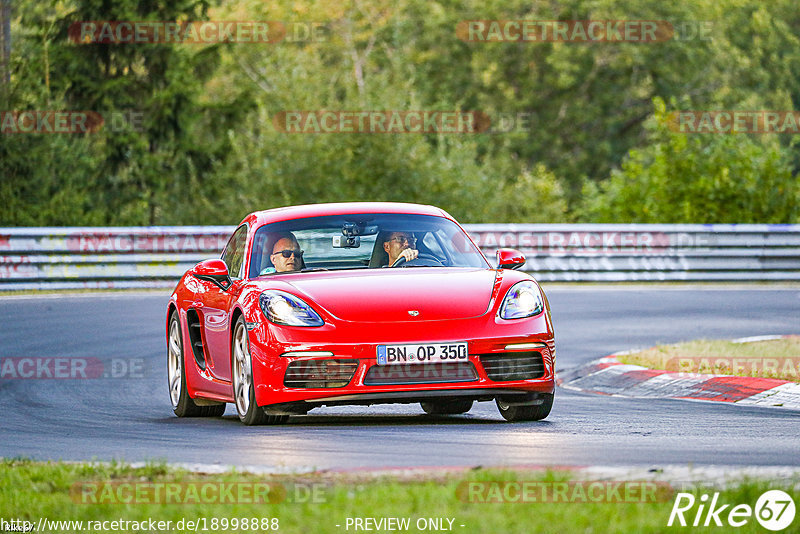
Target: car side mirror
x,y
213,271
509,258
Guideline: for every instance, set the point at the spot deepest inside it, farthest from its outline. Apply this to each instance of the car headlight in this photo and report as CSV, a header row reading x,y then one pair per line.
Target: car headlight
x,y
284,308
523,300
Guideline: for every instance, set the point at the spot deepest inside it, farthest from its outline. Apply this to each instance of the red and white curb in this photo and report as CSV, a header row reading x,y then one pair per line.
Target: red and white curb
x,y
609,376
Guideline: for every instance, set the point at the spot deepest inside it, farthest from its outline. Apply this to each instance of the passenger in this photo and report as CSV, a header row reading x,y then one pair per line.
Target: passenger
x,y
400,244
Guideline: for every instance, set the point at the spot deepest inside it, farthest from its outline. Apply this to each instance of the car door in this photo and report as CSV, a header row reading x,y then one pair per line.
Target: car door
x,y
216,304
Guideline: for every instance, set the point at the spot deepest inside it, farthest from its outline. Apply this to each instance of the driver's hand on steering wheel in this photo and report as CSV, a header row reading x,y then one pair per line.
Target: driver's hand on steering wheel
x,y
409,254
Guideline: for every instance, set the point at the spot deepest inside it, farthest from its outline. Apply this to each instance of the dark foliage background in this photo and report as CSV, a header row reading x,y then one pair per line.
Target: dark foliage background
x,y
597,147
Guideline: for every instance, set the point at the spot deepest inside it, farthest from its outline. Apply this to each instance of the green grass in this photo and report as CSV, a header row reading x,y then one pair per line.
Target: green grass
x,y
778,358
30,490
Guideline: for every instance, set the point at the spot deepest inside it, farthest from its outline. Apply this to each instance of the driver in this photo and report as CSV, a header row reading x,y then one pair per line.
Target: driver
x,y
400,244
286,255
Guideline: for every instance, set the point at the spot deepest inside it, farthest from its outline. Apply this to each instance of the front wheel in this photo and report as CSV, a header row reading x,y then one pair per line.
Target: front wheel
x,y
182,404
243,389
526,412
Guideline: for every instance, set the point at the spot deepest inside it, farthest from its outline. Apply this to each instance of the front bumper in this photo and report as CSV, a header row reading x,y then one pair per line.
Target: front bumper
x,y
358,343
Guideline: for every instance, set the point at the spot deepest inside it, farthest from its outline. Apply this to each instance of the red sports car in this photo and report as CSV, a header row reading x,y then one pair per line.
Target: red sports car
x,y
357,303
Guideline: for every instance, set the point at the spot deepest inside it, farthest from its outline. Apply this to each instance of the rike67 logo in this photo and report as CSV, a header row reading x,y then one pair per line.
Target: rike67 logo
x,y
774,510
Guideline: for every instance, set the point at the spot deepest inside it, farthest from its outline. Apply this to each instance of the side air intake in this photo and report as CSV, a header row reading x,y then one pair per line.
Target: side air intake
x,y
196,338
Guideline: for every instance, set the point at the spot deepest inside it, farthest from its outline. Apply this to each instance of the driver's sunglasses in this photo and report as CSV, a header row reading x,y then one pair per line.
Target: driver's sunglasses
x,y
288,253
404,239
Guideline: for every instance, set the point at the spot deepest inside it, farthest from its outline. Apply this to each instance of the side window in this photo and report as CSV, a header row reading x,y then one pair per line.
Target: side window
x,y
432,242
234,252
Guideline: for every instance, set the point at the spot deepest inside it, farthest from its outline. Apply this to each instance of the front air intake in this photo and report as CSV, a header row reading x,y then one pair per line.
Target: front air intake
x,y
328,373
507,366
420,373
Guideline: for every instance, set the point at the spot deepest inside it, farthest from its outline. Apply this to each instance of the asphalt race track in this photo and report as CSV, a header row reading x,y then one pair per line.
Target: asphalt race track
x,y
129,417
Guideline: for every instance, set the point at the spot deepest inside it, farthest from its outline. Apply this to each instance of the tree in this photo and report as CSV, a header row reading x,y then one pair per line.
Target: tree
x,y
5,42
697,178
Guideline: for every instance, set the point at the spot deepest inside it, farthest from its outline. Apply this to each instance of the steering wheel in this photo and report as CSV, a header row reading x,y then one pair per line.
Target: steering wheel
x,y
401,261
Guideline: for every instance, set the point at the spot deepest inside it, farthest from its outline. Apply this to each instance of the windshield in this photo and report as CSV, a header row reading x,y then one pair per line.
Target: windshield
x,y
360,241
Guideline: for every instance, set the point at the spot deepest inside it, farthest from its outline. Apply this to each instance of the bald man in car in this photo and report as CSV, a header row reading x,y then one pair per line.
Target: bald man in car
x,y
286,255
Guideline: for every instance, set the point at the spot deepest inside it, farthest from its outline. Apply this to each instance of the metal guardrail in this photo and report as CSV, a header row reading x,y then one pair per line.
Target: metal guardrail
x,y
113,257
127,257
649,252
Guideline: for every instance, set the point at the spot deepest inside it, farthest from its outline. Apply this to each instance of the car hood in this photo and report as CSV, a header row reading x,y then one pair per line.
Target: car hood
x,y
394,295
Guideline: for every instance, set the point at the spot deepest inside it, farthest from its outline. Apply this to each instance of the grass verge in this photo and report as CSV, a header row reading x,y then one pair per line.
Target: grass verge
x,y
322,503
777,358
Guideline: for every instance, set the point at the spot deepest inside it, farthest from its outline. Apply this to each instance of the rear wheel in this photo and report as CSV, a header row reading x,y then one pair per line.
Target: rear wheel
x,y
447,407
243,389
526,412
182,404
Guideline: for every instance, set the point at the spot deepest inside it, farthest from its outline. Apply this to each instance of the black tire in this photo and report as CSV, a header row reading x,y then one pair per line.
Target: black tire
x,y
242,378
528,412
447,407
182,404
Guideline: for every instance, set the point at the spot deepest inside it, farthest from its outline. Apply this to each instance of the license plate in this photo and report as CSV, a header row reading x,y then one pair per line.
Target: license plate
x,y
425,353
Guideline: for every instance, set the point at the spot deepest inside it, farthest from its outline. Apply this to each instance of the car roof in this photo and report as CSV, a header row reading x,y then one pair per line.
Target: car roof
x,y
340,208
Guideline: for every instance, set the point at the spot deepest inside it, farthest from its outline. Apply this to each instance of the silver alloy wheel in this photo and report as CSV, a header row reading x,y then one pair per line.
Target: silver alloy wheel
x,y
174,363
242,372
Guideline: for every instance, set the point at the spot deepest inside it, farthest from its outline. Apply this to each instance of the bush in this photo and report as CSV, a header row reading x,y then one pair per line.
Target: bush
x,y
697,178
